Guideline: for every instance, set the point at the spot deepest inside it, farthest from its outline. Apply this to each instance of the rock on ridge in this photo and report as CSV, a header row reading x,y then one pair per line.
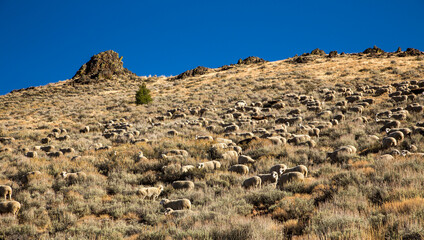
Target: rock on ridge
x,y
101,67
193,72
251,60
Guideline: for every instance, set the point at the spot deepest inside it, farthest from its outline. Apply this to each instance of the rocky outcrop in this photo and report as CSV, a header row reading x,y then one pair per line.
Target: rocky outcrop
x,y
251,60
410,52
193,72
374,50
101,67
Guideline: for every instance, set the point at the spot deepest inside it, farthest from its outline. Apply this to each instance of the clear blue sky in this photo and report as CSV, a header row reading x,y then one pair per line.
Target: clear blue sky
x,y
47,41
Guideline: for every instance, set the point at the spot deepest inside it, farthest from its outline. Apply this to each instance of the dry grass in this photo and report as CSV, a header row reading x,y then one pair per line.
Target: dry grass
x,y
357,196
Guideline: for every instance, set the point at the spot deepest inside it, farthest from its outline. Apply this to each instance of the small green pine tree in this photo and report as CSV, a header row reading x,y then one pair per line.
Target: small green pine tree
x,y
143,95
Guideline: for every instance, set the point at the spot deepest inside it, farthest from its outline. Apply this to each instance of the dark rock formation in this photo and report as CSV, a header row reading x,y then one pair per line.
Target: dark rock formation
x,y
251,60
374,50
193,72
332,54
318,51
101,67
410,52
300,59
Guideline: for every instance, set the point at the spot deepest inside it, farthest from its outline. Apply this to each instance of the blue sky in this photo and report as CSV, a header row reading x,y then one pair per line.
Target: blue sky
x,y
47,41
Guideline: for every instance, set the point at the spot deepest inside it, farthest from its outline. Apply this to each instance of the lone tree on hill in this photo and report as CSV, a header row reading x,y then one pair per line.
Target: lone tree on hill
x,y
143,95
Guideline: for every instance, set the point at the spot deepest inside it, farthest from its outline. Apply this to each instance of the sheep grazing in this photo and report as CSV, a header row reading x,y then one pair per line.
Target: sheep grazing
x,y
388,142
277,140
176,213
224,140
73,177
230,155
46,140
140,156
32,154
216,164
187,185
218,146
398,135
279,168
240,169
405,131
386,157
86,129
405,153
179,152
173,158
55,154
300,168
244,159
5,191
210,165
231,128
210,138
187,168
390,124
10,207
179,204
298,139
289,177
269,178
343,150
150,192
252,182
314,132
238,149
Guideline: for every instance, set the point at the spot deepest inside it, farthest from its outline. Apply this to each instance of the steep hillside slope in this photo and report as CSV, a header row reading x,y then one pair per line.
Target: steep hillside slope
x,y
354,120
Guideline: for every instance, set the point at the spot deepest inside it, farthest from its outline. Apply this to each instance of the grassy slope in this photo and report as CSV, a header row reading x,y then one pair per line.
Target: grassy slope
x,y
363,197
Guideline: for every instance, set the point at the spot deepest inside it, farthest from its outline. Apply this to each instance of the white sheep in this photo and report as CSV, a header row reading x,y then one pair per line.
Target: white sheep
x,y
240,169
179,152
289,177
269,178
187,168
386,157
230,155
5,191
405,153
210,165
224,140
218,146
179,204
300,168
343,150
177,213
279,168
216,164
252,182
10,207
243,159
150,192
183,184
238,149
73,177
210,138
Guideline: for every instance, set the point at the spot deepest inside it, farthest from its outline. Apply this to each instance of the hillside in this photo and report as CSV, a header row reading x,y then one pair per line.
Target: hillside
x,y
354,120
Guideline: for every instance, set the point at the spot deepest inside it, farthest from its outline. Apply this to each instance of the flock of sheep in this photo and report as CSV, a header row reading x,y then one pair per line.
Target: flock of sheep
x,y
254,114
